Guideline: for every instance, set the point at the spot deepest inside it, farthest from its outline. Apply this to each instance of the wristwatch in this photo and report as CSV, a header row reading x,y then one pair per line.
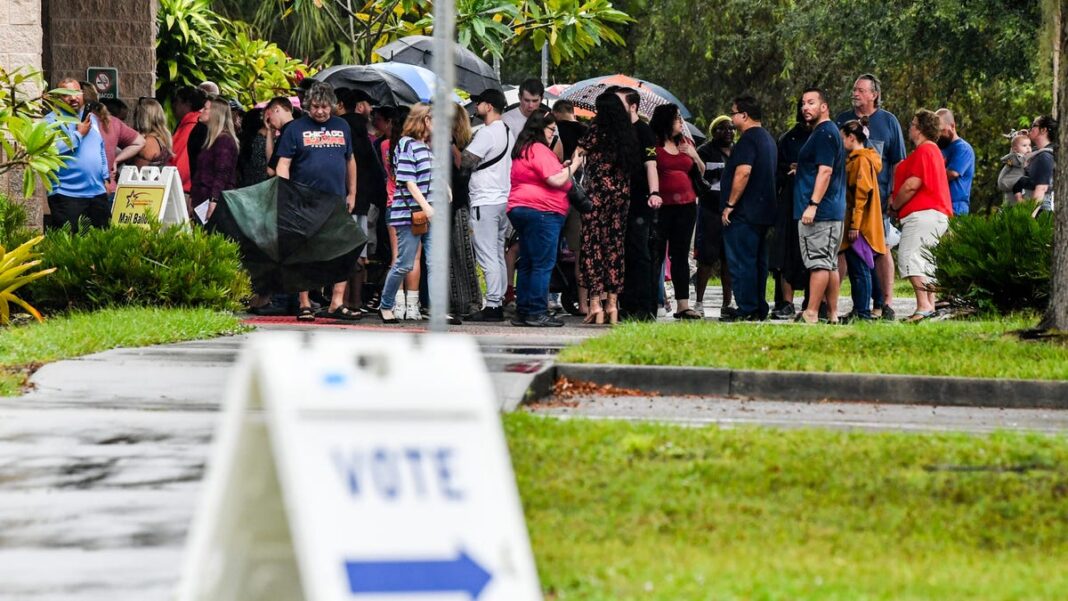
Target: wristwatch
x,y
813,203
653,193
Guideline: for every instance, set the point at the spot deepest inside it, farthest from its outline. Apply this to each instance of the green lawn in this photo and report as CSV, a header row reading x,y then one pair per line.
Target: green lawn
x,y
620,511
983,349
84,333
902,288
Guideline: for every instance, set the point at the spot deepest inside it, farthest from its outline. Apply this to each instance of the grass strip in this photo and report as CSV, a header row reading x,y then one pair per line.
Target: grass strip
x,y
76,334
619,511
973,348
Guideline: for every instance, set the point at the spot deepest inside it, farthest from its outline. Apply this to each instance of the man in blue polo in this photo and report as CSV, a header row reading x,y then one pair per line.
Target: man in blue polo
x,y
960,162
819,204
81,190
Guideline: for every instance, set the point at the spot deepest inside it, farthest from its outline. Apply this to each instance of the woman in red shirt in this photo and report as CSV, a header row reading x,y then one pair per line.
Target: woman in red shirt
x,y
675,158
921,199
537,207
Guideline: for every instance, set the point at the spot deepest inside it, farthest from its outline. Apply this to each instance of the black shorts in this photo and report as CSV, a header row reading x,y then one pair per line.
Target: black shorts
x,y
708,239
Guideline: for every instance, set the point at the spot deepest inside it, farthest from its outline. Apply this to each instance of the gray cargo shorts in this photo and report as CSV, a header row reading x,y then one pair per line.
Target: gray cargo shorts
x,y
819,244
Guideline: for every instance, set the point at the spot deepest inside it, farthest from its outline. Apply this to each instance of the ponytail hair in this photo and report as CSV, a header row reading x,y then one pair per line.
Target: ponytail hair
x,y
858,128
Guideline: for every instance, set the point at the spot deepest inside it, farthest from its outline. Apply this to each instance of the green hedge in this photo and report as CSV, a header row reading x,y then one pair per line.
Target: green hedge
x,y
997,263
155,266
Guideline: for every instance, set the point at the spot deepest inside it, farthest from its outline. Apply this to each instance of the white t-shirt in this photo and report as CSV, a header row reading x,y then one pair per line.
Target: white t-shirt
x,y
490,186
515,120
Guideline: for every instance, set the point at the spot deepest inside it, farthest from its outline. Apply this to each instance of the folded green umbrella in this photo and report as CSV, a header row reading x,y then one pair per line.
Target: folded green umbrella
x,y
292,237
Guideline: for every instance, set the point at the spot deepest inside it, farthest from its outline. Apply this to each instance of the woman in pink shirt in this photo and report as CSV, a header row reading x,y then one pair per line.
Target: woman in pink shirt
x,y
537,207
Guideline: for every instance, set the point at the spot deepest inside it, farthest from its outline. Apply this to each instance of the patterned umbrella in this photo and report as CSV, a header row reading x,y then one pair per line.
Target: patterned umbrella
x,y
585,92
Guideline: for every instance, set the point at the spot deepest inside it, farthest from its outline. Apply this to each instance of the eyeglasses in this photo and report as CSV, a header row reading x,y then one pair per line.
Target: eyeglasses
x,y
733,113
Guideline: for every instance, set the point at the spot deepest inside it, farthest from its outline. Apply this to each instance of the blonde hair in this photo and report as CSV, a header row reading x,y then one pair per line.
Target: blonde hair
x,y
415,126
461,128
220,121
150,120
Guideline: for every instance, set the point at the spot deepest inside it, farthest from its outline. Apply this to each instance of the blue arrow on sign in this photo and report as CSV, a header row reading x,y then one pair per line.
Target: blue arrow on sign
x,y
452,575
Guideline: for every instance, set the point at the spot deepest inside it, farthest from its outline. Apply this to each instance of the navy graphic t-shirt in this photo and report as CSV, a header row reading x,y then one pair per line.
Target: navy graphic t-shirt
x,y
320,153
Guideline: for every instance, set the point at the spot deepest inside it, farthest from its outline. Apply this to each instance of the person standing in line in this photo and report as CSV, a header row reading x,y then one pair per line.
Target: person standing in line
x,y
676,157
81,188
217,162
785,261
960,162
150,120
1013,164
121,142
465,292
921,199
489,158
316,150
252,140
708,239
641,277
1042,166
537,206
610,150
277,116
354,107
819,204
748,209
413,168
864,214
886,137
190,134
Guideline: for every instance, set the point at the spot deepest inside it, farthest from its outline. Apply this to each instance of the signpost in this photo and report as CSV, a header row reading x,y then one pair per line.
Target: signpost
x,y
105,80
149,191
370,468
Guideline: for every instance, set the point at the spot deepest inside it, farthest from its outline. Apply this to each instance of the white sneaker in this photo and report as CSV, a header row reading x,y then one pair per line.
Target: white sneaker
x,y
412,313
398,304
699,307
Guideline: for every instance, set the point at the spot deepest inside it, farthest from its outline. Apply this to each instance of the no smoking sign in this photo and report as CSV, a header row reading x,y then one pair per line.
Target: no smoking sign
x,y
105,80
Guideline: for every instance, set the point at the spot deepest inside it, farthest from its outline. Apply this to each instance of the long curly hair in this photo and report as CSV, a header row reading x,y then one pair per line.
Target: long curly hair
x,y
616,133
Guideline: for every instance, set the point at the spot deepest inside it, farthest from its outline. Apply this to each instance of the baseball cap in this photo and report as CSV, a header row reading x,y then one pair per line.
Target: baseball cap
x,y
493,97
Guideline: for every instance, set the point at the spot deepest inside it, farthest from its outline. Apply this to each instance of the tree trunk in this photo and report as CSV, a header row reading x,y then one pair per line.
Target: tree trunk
x,y
1057,314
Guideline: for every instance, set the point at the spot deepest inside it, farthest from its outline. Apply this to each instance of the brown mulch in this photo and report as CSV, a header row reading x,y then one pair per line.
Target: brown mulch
x,y
565,389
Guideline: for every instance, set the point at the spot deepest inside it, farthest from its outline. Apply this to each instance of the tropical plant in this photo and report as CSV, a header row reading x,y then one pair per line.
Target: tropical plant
x,y
157,266
28,142
311,28
997,263
195,44
18,268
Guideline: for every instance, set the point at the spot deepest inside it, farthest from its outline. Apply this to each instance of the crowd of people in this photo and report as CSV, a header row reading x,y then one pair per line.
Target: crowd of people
x,y
813,206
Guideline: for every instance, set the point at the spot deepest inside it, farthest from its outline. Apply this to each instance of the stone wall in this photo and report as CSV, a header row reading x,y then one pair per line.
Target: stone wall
x,y
21,42
102,33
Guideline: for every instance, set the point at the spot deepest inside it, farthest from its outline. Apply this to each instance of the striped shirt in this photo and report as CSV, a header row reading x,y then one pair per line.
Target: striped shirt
x,y
412,162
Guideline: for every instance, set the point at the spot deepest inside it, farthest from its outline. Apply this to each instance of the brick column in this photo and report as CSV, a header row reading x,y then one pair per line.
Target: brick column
x,y
103,33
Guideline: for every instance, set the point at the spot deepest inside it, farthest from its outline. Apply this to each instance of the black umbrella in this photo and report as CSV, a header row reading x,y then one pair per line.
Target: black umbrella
x,y
385,87
472,73
292,237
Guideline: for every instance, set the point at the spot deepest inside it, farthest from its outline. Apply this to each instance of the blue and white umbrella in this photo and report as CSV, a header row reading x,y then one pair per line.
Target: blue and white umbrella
x,y
421,80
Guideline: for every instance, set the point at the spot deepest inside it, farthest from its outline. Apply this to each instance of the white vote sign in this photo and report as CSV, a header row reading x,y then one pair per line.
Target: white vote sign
x,y
363,467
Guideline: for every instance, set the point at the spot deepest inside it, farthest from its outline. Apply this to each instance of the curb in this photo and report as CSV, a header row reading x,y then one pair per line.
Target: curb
x,y
810,386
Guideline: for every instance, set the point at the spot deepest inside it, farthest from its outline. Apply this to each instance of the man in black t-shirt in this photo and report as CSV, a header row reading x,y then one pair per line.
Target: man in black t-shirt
x,y
641,274
747,202
277,116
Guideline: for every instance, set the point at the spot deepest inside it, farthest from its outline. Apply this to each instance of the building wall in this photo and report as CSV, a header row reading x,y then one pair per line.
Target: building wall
x,y
21,43
102,33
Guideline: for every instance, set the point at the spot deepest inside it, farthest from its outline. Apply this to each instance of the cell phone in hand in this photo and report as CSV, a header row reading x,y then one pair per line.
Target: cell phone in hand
x,y
90,108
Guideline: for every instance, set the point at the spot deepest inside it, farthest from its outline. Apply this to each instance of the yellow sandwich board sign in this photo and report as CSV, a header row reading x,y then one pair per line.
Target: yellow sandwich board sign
x,y
149,191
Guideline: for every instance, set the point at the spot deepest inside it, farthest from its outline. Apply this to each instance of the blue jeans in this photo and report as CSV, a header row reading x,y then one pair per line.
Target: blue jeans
x,y
747,260
407,245
539,240
860,280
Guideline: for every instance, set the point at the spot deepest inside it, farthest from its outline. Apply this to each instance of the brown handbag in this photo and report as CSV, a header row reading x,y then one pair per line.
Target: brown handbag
x,y
420,223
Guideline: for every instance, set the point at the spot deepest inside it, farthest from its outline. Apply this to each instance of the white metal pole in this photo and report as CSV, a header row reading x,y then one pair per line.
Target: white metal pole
x,y
441,224
545,64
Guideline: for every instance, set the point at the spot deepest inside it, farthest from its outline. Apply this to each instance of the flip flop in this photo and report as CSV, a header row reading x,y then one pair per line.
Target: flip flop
x,y
919,316
306,314
343,313
688,314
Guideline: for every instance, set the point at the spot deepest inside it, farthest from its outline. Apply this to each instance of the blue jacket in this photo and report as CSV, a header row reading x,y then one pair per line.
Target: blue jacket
x,y
87,164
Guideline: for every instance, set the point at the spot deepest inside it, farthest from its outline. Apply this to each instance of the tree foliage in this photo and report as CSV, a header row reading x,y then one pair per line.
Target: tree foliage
x,y
195,43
